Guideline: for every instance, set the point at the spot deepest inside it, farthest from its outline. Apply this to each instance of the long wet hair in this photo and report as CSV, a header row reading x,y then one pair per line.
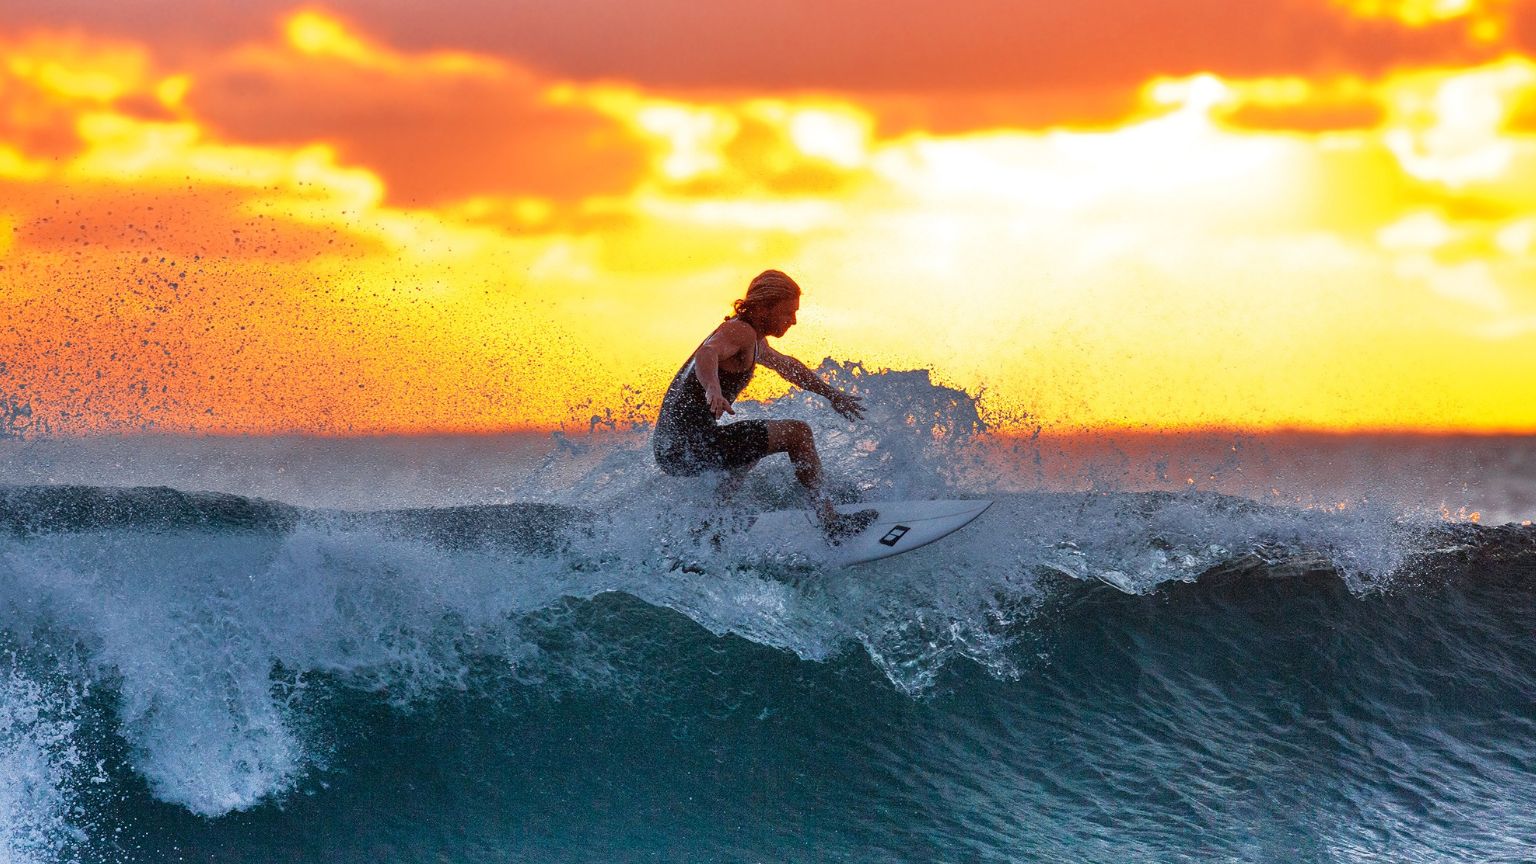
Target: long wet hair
x,y
766,289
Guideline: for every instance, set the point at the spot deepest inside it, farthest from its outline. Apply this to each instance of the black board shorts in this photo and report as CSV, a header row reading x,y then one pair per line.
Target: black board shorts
x,y
725,447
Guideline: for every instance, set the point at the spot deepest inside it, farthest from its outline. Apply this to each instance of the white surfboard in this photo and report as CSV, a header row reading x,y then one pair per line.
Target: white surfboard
x,y
901,527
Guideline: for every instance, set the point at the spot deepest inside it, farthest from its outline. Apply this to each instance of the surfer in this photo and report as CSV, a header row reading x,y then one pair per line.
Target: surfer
x,y
689,438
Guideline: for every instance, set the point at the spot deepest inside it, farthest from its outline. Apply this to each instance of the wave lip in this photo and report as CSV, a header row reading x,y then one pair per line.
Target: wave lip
x,y
205,613
26,510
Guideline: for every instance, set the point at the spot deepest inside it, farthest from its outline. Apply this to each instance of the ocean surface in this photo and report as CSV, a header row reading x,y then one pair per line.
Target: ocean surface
x,y
533,648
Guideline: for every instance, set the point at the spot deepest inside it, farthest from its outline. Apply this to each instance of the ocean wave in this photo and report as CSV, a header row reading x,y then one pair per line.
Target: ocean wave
x,y
195,606
173,655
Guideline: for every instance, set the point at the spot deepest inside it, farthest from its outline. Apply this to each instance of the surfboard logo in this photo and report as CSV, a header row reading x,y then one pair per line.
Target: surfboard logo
x,y
893,535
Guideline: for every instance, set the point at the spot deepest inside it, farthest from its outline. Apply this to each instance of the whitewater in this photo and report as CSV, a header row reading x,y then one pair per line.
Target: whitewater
x,y
538,648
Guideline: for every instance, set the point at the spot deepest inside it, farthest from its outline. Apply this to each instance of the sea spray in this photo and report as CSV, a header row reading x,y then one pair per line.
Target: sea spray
x,y
42,767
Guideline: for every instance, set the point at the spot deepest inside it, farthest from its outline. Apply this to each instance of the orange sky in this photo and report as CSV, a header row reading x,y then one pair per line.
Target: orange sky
x,y
357,218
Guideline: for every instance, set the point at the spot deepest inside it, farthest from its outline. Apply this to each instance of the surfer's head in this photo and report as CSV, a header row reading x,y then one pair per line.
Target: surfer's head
x,y
771,303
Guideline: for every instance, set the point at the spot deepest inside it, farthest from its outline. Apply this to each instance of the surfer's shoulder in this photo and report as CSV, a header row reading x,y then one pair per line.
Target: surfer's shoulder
x,y
737,332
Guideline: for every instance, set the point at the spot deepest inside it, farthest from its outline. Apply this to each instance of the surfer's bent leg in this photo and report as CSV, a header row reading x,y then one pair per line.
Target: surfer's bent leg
x,y
794,437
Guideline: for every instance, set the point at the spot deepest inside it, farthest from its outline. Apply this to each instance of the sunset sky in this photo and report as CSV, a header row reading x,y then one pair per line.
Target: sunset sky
x,y
362,217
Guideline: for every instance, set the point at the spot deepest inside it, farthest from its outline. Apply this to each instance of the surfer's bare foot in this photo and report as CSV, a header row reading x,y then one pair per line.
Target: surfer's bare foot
x,y
840,526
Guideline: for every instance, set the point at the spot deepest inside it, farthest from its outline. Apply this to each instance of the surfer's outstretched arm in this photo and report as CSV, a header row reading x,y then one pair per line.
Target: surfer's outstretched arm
x,y
801,376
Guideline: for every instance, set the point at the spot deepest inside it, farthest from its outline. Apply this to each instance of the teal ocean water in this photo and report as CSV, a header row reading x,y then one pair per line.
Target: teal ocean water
x,y
254,650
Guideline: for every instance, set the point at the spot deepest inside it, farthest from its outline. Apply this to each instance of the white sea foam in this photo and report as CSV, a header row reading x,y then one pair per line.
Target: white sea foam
x,y
209,636
39,767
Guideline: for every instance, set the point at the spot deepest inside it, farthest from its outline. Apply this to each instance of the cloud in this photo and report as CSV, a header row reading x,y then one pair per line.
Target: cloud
x,y
1487,21
909,46
1033,55
48,80
434,127
93,155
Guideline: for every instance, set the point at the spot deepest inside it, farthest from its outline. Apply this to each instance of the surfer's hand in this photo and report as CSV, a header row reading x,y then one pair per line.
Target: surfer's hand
x,y
718,405
848,405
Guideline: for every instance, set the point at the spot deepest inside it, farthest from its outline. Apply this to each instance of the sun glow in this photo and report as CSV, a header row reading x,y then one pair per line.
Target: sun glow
x,y
1450,128
318,34
214,244
1488,19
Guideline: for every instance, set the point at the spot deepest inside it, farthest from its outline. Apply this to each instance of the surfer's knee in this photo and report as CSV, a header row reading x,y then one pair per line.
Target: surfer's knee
x,y
791,436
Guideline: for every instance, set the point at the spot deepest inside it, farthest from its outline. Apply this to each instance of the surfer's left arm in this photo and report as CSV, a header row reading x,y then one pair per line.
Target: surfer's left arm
x,y
801,376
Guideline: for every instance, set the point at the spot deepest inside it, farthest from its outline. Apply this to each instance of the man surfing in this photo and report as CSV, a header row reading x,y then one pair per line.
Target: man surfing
x,y
689,438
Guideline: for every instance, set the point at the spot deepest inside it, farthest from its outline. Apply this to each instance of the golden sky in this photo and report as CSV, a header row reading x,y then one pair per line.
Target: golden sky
x,y
369,217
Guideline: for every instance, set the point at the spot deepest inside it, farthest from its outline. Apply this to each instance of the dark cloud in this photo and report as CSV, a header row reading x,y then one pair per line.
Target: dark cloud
x,y
1522,27
432,135
179,30
955,113
896,46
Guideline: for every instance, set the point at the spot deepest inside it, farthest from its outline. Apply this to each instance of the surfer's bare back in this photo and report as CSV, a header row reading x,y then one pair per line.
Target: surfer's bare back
x,y
690,439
